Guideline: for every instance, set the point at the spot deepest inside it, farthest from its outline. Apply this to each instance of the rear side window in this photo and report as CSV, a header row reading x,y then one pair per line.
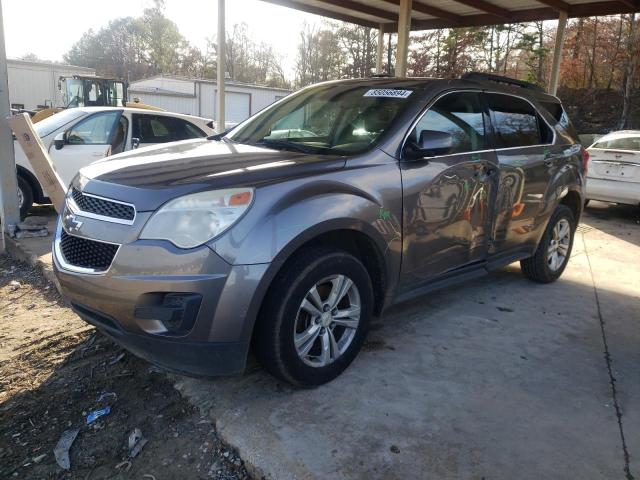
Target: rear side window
x,y
516,122
624,143
558,112
162,129
459,114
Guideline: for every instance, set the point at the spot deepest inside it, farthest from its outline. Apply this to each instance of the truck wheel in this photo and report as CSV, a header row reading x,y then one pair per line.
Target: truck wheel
x,y
554,250
315,317
25,197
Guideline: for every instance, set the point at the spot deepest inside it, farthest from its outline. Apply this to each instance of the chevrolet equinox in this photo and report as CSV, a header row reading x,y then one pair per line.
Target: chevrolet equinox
x,y
288,233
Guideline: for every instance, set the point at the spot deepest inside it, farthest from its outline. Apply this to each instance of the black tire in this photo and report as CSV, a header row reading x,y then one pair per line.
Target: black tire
x,y
27,195
273,339
537,267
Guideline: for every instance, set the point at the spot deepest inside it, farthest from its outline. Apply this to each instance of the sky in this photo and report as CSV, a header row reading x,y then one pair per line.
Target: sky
x,y
48,28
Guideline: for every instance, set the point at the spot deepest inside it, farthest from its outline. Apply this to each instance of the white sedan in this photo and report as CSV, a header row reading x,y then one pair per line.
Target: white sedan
x,y
79,136
614,168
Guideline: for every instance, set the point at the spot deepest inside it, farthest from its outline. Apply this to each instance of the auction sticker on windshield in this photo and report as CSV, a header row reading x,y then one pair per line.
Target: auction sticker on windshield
x,y
387,92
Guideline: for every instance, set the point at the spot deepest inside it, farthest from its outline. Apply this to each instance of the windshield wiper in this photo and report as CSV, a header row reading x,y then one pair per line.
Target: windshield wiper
x,y
287,144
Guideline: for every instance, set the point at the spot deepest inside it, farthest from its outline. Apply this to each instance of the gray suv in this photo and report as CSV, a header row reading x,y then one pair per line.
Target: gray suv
x,y
288,233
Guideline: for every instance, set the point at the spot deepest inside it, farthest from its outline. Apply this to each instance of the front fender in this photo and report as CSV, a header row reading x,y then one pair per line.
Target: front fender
x,y
286,215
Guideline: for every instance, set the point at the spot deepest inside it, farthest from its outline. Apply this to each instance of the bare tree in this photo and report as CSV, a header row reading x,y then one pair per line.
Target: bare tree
x,y
632,66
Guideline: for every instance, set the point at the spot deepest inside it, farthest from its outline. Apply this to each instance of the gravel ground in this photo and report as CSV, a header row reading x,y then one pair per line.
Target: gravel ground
x,y
54,369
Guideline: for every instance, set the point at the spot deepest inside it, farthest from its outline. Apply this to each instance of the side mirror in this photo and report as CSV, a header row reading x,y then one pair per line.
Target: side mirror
x,y
59,140
432,143
135,143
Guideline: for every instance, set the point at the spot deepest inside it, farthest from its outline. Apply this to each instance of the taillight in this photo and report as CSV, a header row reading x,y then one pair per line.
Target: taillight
x,y
585,160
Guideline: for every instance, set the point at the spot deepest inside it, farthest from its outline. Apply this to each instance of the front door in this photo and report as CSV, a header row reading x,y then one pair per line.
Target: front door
x,y
87,141
448,198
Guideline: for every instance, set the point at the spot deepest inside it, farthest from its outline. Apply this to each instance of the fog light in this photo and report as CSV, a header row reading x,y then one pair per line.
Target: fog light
x,y
176,311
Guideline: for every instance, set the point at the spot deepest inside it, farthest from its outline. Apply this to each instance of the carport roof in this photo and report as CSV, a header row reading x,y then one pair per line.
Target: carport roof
x,y
433,14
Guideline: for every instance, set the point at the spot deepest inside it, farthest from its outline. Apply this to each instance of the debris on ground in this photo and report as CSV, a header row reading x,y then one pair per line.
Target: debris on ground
x,y
96,414
54,367
61,452
33,226
136,442
106,395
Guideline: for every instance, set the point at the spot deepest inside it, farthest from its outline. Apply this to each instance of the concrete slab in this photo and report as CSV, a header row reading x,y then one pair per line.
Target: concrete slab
x,y
36,251
498,378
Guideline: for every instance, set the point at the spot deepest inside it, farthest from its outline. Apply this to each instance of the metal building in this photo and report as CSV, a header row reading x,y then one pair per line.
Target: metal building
x,y
198,96
35,84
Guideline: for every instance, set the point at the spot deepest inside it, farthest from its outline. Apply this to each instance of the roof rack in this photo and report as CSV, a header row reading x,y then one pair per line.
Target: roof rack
x,y
478,76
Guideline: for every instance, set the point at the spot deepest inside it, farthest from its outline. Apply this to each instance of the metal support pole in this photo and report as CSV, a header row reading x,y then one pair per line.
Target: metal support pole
x,y
557,53
220,125
380,50
404,27
9,210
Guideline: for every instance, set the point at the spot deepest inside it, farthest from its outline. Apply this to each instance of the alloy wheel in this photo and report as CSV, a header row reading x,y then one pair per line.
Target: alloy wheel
x,y
559,245
20,198
327,320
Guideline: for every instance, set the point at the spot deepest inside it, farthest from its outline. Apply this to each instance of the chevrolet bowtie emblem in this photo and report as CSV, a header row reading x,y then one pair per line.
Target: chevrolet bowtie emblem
x,y
73,225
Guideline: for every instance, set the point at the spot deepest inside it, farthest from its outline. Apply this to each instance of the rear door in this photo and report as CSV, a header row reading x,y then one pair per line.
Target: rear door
x,y
448,198
528,160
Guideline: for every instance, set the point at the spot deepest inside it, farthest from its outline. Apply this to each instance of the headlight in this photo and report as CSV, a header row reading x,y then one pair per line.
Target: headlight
x,y
195,219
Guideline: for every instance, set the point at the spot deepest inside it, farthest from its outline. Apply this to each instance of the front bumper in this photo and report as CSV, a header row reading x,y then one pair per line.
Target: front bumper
x,y
185,357
613,191
142,275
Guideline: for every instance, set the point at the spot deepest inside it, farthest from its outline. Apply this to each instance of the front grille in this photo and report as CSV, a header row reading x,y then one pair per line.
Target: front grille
x,y
101,206
85,253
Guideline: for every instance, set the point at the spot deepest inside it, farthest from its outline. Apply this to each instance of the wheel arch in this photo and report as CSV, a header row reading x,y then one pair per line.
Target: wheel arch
x,y
356,238
573,200
30,178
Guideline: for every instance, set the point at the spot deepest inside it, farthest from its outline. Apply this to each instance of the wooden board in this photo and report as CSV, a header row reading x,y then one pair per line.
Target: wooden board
x,y
40,160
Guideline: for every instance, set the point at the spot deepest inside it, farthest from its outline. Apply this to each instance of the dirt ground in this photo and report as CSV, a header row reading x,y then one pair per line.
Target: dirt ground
x,y
53,370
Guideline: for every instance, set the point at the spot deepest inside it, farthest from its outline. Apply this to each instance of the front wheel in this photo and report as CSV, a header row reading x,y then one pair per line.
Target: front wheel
x,y
25,197
315,317
554,250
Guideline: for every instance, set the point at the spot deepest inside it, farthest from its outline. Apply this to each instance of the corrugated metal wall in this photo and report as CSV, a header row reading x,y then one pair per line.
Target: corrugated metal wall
x,y
199,97
176,104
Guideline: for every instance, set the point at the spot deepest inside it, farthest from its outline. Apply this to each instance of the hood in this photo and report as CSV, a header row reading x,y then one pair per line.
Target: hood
x,y
151,176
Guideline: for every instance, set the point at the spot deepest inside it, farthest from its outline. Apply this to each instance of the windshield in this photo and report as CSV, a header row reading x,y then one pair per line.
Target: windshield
x,y
74,96
328,119
54,122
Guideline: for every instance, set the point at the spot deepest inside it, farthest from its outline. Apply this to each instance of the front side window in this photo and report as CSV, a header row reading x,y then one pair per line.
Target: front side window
x,y
516,122
328,119
621,143
459,115
95,130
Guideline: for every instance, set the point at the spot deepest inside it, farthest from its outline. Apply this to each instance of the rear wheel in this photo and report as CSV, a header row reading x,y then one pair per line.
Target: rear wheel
x,y
554,250
315,317
25,197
